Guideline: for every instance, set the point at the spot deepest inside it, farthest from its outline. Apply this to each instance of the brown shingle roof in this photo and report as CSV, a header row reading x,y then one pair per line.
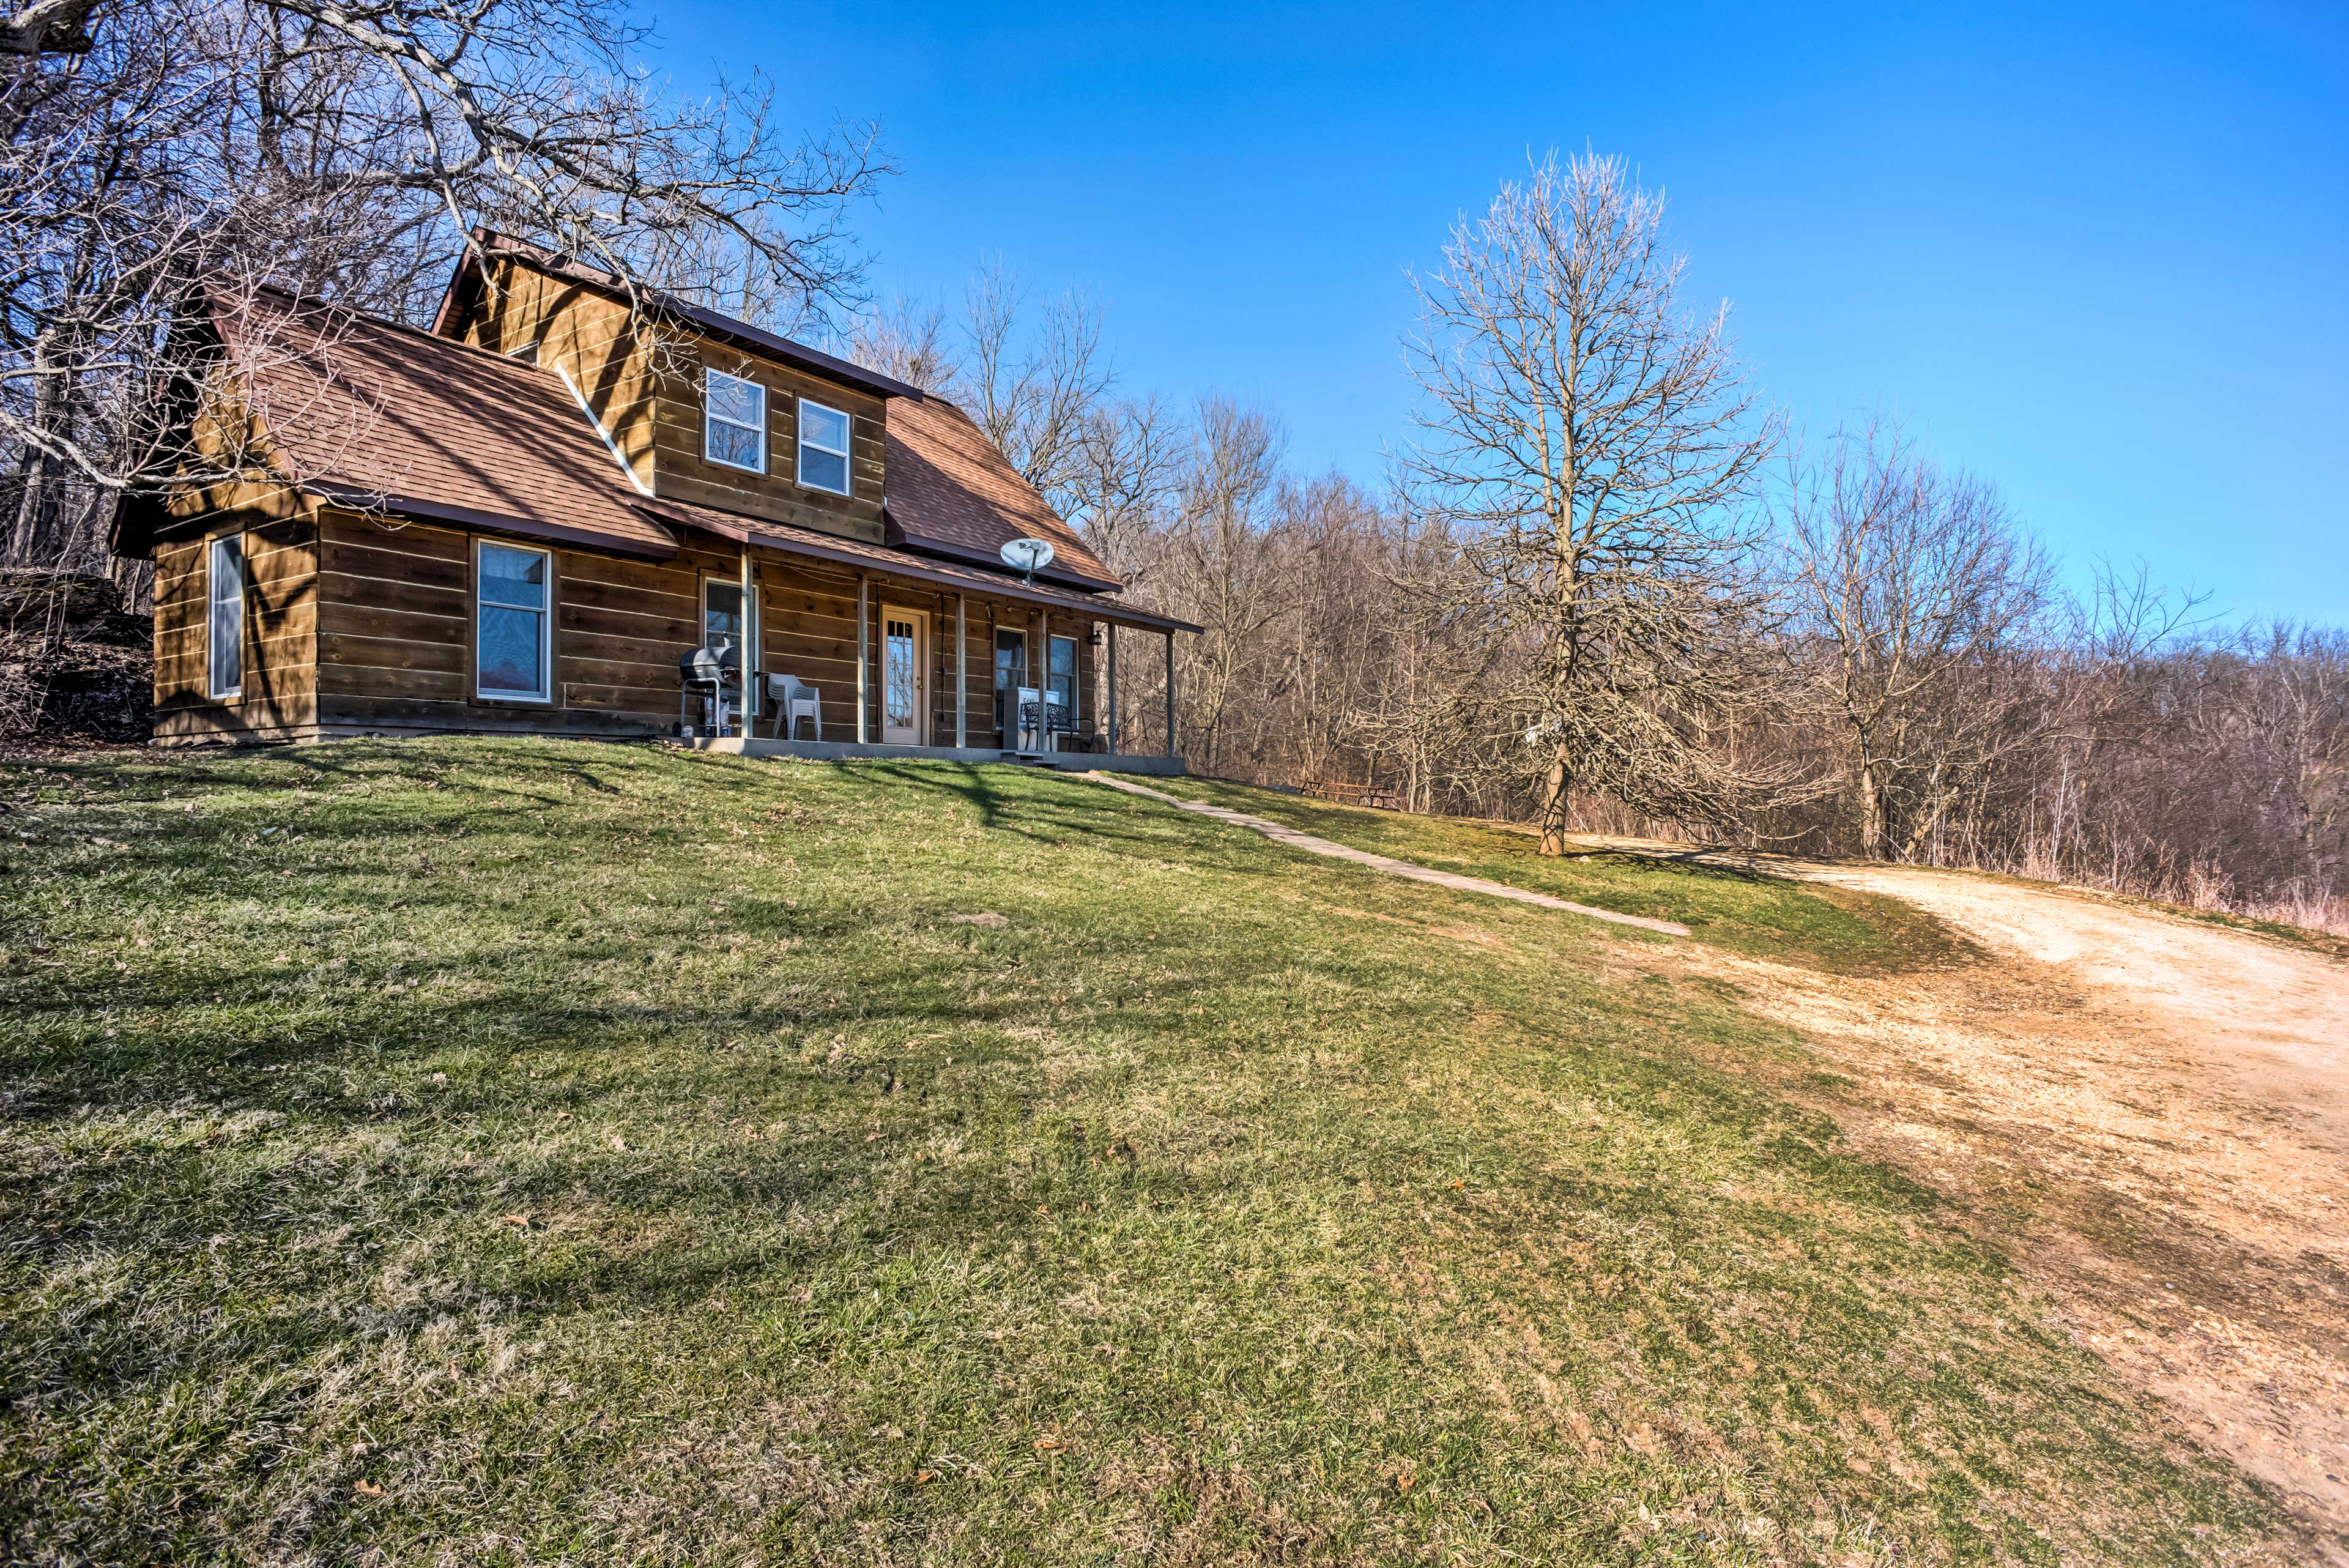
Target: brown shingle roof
x,y
375,414
950,489
372,413
856,554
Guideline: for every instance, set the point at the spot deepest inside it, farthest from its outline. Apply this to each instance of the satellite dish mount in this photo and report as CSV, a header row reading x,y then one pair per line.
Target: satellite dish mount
x,y
1028,556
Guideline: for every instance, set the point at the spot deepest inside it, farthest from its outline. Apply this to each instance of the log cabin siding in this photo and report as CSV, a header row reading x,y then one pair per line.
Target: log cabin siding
x,y
359,624
277,691
644,388
685,474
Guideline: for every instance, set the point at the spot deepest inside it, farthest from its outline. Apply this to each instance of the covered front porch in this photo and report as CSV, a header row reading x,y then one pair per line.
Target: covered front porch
x,y
842,648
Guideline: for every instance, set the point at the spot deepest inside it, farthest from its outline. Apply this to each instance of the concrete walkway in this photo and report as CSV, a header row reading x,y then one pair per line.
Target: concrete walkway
x,y
1393,867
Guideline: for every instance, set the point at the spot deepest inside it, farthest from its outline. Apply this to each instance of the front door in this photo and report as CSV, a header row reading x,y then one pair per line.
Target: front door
x,y
905,676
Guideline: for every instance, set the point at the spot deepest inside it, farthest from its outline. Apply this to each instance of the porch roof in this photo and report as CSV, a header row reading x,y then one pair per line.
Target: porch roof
x,y
858,556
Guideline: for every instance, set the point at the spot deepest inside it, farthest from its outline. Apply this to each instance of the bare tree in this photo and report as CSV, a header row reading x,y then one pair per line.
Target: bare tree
x,y
1125,466
1218,564
1414,721
348,151
1033,390
1915,579
1597,447
910,341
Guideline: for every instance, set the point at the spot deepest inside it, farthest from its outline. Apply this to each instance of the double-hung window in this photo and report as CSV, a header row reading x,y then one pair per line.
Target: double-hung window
x,y
823,448
224,618
1063,676
734,429
512,648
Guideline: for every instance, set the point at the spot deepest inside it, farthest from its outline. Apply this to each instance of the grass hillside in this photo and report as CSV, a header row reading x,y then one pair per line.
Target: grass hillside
x,y
527,1152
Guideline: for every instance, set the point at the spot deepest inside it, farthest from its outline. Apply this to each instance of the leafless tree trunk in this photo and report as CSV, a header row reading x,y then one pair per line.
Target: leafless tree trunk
x,y
1220,567
1599,447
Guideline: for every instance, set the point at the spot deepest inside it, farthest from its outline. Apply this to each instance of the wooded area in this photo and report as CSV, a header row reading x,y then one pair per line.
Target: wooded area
x,y
1841,647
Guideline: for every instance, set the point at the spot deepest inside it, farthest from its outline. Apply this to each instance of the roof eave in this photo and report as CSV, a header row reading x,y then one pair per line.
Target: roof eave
x,y
426,511
942,576
928,545
488,241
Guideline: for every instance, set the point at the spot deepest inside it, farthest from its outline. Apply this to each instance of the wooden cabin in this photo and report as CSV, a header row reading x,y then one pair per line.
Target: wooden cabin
x,y
522,520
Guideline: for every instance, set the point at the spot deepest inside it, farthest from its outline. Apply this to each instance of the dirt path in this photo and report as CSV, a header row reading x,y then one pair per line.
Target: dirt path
x,y
2151,1115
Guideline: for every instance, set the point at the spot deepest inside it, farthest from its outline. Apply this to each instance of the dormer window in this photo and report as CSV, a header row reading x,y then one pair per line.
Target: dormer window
x,y
823,448
734,424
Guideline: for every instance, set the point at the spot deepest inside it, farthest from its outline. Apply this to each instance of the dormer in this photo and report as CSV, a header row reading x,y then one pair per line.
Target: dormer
x,y
700,409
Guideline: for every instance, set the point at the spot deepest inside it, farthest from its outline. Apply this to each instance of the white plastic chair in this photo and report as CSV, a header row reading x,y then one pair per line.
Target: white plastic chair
x,y
792,698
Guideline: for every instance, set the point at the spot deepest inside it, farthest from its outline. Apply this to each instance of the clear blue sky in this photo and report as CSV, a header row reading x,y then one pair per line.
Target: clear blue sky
x,y
2099,253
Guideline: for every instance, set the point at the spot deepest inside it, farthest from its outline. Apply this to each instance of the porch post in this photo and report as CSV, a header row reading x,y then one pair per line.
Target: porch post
x,y
1112,688
1170,695
750,645
864,653
962,676
1036,673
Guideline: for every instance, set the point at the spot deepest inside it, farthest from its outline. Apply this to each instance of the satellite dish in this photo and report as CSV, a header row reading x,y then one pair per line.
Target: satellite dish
x,y
1029,555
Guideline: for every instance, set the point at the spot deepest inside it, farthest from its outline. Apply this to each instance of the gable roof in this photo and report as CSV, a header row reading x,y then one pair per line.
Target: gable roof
x,y
464,284
373,414
950,490
370,413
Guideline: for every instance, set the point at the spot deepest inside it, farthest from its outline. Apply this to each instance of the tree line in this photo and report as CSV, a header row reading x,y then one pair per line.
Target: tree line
x,y
1604,588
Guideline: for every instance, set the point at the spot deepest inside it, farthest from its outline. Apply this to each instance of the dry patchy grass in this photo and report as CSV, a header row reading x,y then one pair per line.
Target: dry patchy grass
x,y
521,1152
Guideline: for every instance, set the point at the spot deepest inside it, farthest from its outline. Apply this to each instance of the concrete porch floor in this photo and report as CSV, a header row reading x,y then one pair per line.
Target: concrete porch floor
x,y
1158,766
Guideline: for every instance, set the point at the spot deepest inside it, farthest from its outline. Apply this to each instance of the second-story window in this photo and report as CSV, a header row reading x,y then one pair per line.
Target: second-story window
x,y
823,448
734,431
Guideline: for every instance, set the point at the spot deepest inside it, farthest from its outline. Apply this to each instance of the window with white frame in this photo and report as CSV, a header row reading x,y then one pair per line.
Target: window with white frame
x,y
734,429
225,617
512,648
823,448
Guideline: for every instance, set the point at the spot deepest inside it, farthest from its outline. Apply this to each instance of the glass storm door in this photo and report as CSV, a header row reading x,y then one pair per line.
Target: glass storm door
x,y
905,676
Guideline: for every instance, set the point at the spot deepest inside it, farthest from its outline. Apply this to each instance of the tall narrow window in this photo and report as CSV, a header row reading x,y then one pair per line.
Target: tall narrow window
x,y
1010,659
734,432
512,652
1010,676
823,448
1063,654
225,617
721,612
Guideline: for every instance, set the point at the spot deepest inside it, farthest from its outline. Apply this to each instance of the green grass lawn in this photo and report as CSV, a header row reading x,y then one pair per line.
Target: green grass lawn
x,y
1838,930
488,1152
